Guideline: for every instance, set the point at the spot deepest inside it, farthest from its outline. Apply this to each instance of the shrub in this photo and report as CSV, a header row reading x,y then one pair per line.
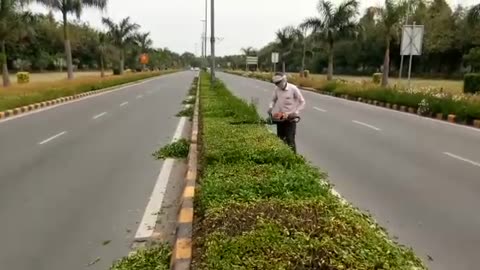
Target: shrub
x,y
23,77
377,78
116,71
471,83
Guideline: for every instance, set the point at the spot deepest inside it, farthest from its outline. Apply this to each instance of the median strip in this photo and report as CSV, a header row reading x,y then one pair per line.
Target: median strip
x,y
260,206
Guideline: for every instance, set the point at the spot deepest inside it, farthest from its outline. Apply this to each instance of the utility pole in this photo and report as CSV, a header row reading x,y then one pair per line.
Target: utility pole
x,y
212,39
206,29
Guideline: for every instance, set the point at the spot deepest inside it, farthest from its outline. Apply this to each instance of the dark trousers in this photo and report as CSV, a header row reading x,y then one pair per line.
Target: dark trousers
x,y
286,131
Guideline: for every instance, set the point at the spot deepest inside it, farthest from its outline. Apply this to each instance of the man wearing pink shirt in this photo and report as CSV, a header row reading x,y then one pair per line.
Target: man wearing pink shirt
x,y
288,99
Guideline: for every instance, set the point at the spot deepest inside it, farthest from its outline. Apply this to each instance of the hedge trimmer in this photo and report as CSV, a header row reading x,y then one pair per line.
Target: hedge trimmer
x,y
280,117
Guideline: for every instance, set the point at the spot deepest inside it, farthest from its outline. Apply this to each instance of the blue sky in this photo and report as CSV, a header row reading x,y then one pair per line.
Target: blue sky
x,y
176,23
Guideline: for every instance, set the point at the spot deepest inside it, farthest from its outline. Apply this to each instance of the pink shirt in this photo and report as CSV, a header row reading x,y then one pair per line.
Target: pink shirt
x,y
289,100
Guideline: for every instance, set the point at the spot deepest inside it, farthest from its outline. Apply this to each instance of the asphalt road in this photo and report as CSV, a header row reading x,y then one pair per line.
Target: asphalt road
x,y
75,179
419,178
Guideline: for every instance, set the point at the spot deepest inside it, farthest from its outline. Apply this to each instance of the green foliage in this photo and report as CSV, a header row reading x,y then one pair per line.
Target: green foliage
x,y
473,58
23,77
472,83
156,258
260,206
177,149
377,78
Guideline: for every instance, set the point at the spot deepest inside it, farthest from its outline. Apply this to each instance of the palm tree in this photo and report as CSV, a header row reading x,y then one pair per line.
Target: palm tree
x,y
103,44
121,34
144,41
391,16
285,41
11,23
71,6
333,24
474,15
249,51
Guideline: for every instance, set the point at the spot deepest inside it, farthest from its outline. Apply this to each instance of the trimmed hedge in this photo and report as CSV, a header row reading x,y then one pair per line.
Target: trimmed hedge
x,y
260,206
23,77
377,78
471,83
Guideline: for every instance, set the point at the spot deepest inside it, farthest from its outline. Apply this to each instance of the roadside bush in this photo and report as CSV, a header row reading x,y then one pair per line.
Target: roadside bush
x,y
471,83
177,149
260,206
377,78
116,71
23,77
157,258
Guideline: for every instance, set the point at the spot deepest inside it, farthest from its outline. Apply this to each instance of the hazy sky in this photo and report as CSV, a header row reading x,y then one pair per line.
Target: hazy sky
x,y
176,23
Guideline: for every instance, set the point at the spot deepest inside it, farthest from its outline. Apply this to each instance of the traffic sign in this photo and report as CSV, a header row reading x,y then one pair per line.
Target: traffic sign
x,y
275,57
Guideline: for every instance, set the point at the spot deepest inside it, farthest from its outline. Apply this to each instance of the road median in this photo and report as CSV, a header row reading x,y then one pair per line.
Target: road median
x,y
260,206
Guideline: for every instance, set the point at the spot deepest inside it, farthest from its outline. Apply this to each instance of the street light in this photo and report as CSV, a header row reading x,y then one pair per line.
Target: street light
x,y
212,40
204,38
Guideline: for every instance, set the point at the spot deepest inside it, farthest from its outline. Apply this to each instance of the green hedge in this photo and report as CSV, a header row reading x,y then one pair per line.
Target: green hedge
x,y
471,83
260,206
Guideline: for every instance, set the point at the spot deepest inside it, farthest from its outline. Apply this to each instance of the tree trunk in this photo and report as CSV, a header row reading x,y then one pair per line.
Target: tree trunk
x,y
5,76
102,67
122,61
68,49
330,61
386,63
303,57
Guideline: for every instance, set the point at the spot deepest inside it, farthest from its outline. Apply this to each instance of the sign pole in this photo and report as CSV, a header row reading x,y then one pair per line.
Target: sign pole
x,y
411,58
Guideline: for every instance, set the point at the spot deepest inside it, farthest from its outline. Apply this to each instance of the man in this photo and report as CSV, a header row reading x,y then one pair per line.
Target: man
x,y
289,100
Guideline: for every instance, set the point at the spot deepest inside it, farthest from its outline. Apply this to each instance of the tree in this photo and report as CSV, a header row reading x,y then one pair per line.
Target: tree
x,y
249,51
391,16
333,24
285,40
103,44
76,7
10,23
474,15
43,60
143,41
121,34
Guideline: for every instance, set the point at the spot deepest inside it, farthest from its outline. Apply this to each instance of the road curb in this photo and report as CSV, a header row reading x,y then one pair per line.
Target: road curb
x,y
48,103
183,247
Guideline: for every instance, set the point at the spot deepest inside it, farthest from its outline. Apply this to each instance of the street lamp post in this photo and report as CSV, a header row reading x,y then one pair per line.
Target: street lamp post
x,y
212,40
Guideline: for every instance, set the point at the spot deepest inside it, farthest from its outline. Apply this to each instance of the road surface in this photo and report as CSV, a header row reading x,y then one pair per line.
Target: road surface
x,y
75,179
419,178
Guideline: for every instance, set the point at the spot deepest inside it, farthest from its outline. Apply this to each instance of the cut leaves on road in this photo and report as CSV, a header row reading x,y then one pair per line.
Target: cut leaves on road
x,y
157,258
178,149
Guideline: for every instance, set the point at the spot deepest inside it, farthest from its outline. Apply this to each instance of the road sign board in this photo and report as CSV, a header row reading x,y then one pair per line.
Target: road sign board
x,y
412,40
274,57
252,60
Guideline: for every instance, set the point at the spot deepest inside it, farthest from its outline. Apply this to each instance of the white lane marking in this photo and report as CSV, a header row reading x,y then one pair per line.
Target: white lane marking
x,y
139,96
99,115
150,216
319,109
10,118
462,159
52,138
366,125
124,103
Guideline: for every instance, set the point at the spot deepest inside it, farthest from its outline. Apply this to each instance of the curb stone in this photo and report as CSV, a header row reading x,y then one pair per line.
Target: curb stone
x,y
182,251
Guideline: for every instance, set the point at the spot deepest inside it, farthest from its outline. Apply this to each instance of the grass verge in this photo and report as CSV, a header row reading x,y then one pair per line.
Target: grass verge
x,y
22,95
260,206
177,149
157,258
427,101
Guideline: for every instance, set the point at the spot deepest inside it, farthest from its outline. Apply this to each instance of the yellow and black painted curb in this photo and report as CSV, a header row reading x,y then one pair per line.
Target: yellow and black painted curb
x,y
183,246
44,104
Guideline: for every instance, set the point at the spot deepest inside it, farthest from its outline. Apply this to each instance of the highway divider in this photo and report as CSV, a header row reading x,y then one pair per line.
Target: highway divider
x,y
460,109
27,98
260,206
